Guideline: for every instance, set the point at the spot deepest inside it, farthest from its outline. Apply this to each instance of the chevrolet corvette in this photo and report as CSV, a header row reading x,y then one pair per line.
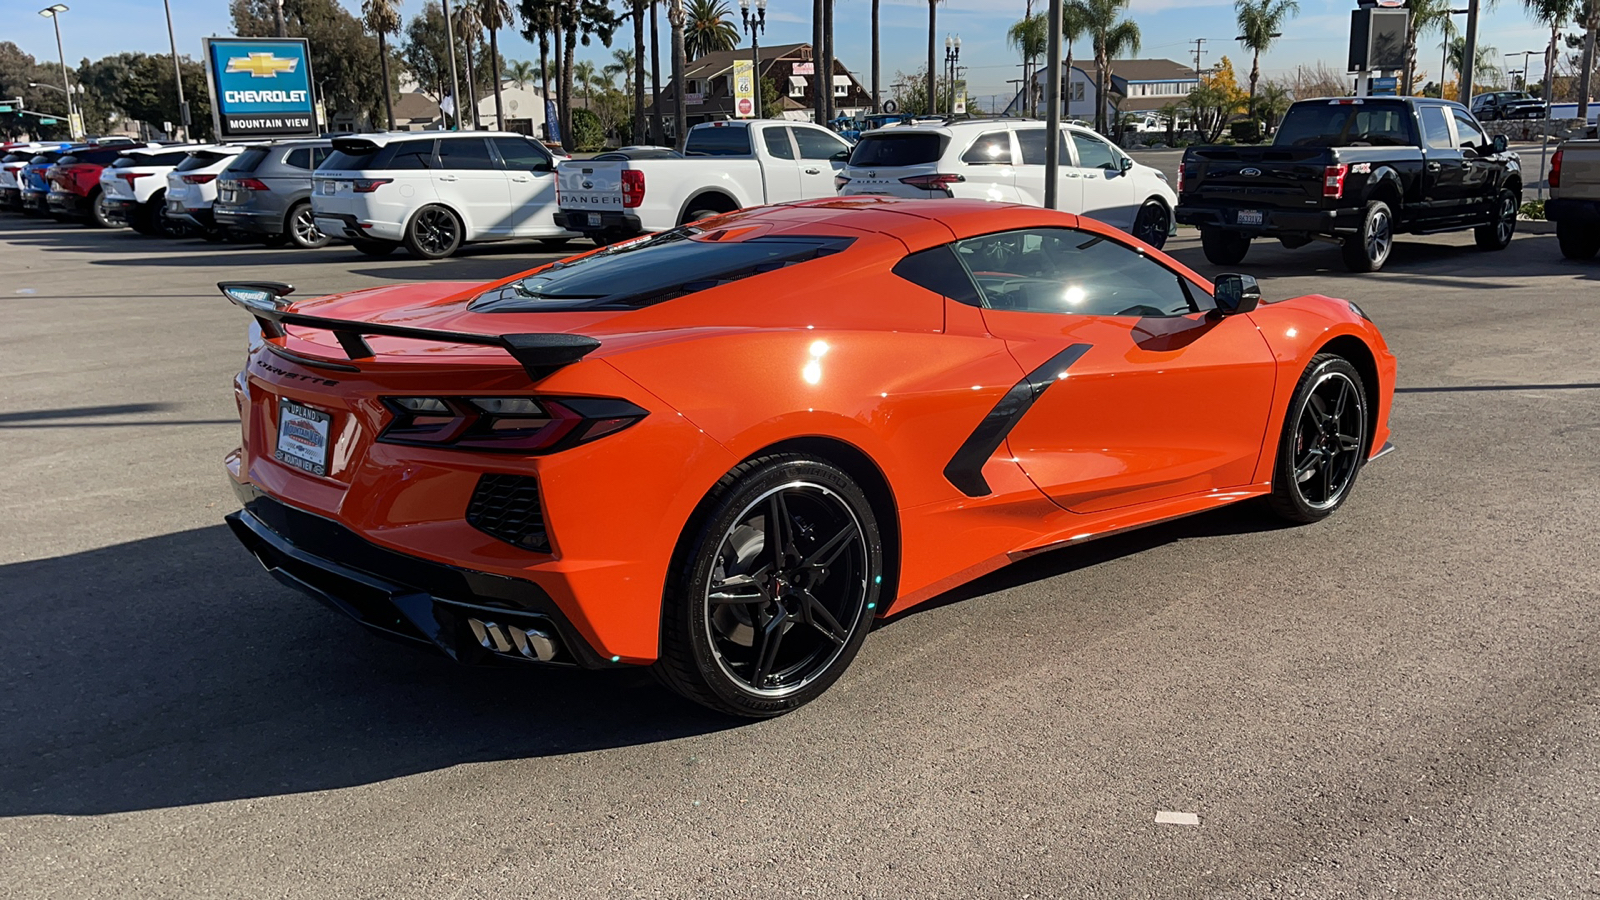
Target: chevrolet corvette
x,y
724,450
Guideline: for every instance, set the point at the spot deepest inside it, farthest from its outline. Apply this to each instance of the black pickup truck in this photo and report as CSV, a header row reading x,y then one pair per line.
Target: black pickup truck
x,y
1354,171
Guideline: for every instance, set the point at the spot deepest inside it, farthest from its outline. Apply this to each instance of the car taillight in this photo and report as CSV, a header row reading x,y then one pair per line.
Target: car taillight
x,y
519,424
1333,180
1555,169
934,182
839,181
632,188
130,176
198,179
368,185
252,184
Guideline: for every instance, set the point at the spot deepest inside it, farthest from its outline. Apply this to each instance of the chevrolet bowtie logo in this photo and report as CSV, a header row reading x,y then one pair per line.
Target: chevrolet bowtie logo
x,y
262,65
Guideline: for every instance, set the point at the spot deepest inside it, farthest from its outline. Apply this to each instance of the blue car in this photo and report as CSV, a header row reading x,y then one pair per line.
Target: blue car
x,y
35,189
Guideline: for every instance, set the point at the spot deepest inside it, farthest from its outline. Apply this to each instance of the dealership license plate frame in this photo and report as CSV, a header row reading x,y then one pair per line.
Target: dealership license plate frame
x,y
318,422
1249,217
594,220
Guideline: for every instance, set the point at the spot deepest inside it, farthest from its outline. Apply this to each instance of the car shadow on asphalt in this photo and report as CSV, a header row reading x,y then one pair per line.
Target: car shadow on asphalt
x,y
1457,265
173,671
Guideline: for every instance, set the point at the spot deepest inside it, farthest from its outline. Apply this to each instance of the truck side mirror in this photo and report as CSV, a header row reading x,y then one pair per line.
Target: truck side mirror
x,y
1235,294
1499,143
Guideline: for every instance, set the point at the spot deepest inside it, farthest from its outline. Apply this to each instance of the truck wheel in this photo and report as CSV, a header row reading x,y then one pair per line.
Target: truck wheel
x,y
1368,249
1225,248
1576,241
1496,233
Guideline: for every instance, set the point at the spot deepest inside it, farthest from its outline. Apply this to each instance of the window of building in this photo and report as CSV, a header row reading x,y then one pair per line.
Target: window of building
x,y
797,85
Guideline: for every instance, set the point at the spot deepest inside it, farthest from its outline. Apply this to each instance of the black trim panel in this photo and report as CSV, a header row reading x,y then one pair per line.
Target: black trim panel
x,y
965,469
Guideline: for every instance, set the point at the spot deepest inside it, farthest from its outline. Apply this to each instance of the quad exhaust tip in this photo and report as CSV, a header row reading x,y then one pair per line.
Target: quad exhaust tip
x,y
512,640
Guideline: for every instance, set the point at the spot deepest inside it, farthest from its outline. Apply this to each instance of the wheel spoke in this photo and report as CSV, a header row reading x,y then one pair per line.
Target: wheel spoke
x,y
1348,442
824,555
767,649
1307,468
1327,479
780,531
1338,405
813,613
738,589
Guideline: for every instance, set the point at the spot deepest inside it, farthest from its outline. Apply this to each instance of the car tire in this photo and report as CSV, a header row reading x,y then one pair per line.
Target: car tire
x,y
1496,234
1577,241
1222,247
1323,443
214,235
1369,248
99,215
1152,223
434,232
300,227
748,631
143,219
375,249
696,215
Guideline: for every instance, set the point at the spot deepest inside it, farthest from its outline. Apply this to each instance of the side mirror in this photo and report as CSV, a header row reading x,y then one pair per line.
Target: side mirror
x,y
1126,163
1499,143
1235,294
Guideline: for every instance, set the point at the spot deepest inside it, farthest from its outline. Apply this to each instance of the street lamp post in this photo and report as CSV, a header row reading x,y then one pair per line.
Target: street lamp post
x,y
53,13
177,72
1524,54
1444,62
754,24
952,53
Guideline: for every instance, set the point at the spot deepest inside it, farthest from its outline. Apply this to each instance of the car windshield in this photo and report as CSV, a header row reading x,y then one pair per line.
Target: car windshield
x,y
641,273
899,148
1338,123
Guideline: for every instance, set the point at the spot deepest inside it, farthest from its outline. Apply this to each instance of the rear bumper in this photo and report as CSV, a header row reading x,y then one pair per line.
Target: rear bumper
x,y
247,220
591,223
1273,221
1581,212
69,204
34,200
11,197
414,600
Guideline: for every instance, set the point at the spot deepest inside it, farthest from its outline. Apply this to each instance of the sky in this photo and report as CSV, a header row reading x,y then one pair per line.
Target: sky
x,y
95,28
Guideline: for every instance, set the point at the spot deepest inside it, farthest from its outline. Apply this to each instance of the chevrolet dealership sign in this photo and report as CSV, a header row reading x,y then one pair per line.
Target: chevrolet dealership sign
x,y
260,87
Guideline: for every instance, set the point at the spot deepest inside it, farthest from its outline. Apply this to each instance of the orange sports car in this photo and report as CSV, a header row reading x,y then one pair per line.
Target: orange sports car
x,y
722,451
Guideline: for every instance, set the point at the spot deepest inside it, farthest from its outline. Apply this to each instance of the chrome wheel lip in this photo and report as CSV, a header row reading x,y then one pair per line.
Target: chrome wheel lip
x,y
1507,224
1379,238
815,669
1336,495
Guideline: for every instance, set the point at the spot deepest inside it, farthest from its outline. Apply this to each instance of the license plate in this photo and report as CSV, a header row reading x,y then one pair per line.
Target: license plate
x,y
1249,217
594,220
303,437
175,207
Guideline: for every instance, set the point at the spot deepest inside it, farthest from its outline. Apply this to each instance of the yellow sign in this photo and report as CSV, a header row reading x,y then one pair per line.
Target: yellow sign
x,y
744,89
262,65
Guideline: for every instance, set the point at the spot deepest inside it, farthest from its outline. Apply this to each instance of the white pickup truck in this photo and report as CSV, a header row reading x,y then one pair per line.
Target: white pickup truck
x,y
727,166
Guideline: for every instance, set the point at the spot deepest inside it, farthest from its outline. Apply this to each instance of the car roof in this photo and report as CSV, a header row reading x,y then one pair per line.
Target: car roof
x,y
382,138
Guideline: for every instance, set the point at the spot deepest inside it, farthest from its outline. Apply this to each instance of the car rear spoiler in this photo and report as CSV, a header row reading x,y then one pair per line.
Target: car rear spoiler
x,y
539,354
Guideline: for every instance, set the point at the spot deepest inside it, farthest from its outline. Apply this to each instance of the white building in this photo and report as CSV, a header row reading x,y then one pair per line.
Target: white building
x,y
1137,85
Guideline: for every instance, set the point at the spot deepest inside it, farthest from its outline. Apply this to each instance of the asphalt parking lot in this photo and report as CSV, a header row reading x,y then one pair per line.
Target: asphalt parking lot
x,y
1401,701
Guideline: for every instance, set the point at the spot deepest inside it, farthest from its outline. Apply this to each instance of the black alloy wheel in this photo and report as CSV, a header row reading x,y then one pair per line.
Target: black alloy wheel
x,y
301,227
1152,224
1324,441
1368,249
774,592
1224,248
434,233
1496,233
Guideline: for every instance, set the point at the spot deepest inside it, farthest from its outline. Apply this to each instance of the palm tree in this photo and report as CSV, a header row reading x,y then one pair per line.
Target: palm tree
x,y
1426,16
709,28
587,78
495,15
383,17
1113,36
1554,13
1484,68
1074,24
1260,23
622,64
1591,27
1030,36
635,76
657,135
468,29
680,67
521,71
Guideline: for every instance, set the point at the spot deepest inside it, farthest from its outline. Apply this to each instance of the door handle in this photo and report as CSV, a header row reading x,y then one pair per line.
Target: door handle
x,y
1465,164
813,170
1071,174
447,178
522,178
1433,167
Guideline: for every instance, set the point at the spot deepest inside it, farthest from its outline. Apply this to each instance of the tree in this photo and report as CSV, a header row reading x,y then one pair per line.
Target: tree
x,y
1215,101
1426,16
539,19
135,87
1074,25
581,21
1484,68
709,28
622,64
383,18
587,78
344,57
1113,36
1591,27
771,100
495,15
469,30
520,71
1029,36
1271,103
912,94
680,65
1261,23
635,76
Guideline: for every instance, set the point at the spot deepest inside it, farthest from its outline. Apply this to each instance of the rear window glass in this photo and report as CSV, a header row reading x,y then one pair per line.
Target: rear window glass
x,y
642,273
994,147
1370,123
357,154
718,142
898,149
150,159
201,160
248,160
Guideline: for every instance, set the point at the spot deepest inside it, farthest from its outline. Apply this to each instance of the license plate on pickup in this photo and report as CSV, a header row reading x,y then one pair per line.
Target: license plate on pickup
x,y
303,437
594,220
1248,217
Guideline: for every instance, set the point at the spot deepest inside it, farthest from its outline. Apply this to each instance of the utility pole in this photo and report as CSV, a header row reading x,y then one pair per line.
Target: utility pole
x,y
1469,53
277,19
177,73
455,81
1052,109
1199,48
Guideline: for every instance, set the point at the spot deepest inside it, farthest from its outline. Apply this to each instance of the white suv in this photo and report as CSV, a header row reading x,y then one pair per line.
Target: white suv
x,y
192,186
434,191
135,186
1003,160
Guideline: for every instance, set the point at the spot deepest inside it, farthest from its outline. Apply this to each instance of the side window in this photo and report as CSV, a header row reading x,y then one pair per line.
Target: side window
x,y
1472,137
521,155
1435,128
410,155
1030,143
1094,153
464,153
815,144
299,159
1069,272
992,147
319,155
777,140
938,270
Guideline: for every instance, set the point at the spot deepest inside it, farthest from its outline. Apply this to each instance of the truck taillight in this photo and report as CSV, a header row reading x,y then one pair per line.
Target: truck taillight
x,y
632,188
1180,179
934,182
1555,169
1333,180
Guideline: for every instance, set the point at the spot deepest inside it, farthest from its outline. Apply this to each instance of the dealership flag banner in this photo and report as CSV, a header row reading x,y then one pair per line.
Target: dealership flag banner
x,y
744,89
260,87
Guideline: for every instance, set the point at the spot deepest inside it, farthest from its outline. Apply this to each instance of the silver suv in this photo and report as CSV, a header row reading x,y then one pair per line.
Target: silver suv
x,y
1003,160
266,192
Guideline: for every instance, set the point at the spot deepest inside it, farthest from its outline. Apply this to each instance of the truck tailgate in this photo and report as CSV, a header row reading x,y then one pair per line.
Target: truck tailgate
x,y
1257,176
583,184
